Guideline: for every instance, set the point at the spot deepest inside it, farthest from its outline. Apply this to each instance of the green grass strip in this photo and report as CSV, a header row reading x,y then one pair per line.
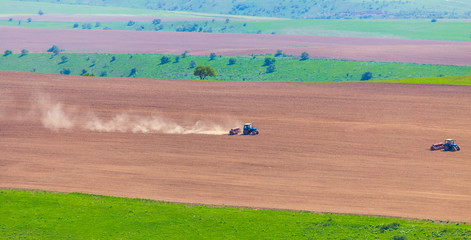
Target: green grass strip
x,y
456,80
244,68
45,215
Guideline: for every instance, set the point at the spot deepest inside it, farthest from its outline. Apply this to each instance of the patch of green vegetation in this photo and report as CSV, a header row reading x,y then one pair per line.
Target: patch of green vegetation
x,y
301,9
11,7
454,30
45,215
456,80
245,68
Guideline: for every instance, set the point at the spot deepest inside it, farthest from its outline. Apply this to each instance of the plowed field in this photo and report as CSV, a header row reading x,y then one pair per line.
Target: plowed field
x,y
350,148
113,41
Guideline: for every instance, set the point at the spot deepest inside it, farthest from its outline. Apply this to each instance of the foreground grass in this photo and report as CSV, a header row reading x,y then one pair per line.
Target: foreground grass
x,y
44,215
456,80
246,68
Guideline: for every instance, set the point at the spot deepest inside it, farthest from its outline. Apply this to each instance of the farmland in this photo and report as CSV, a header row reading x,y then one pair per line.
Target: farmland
x,y
102,138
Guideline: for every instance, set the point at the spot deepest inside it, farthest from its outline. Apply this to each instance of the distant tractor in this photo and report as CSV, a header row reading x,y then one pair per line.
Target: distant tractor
x,y
249,129
447,145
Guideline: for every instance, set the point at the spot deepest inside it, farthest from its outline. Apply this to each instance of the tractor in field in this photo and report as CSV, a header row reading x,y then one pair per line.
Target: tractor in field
x,y
249,129
447,145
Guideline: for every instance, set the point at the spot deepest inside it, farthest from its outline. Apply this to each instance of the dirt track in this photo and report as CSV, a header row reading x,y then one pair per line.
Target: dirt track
x,y
363,49
348,148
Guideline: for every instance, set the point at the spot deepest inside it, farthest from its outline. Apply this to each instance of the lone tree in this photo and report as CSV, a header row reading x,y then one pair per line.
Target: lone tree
x,y
366,76
7,52
164,60
212,56
205,71
304,56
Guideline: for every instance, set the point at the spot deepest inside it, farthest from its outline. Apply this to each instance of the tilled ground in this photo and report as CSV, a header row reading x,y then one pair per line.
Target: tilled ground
x,y
350,148
113,41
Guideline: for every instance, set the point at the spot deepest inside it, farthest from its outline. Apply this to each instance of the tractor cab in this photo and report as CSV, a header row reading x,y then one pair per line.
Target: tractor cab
x,y
449,141
249,129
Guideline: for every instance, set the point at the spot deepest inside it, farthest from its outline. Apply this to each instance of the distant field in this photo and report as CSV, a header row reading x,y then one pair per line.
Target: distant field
x,y
246,68
455,30
456,80
21,8
44,215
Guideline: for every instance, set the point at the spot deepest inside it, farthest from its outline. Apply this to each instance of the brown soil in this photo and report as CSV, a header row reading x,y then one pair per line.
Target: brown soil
x,y
350,148
364,49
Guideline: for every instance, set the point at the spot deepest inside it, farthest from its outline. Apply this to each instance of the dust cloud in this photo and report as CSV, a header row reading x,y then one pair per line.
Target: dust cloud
x,y
55,117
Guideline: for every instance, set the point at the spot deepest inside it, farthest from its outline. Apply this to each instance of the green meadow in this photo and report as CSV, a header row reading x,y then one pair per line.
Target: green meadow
x,y
245,68
45,215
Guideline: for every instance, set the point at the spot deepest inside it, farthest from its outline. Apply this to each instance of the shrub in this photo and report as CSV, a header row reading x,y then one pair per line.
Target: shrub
x,y
88,75
184,54
212,56
192,64
40,12
64,59
113,58
133,72
271,68
103,74
366,76
7,52
97,24
433,20
130,23
269,61
304,56
24,52
279,53
391,226
29,20
399,237
177,59
54,49
156,21
164,60
65,71
232,60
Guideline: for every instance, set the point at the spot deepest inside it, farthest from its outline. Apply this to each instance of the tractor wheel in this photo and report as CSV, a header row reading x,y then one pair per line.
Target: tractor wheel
x,y
458,148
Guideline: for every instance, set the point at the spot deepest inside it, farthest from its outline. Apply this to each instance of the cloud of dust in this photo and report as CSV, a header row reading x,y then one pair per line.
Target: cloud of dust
x,y
55,117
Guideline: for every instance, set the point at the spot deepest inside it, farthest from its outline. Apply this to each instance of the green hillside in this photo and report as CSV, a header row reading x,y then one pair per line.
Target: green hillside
x,y
330,9
44,215
245,68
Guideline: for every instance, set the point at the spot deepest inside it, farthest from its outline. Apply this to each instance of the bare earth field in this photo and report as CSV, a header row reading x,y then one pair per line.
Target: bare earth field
x,y
112,41
349,148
